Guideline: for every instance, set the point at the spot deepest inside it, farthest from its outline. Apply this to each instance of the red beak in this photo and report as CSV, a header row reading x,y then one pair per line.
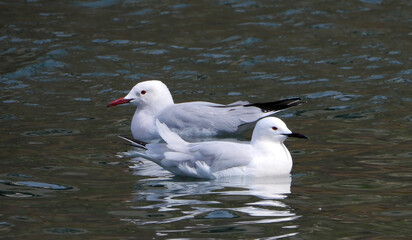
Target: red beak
x,y
118,101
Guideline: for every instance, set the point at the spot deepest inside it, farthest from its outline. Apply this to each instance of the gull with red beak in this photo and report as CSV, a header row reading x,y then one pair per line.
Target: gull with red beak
x,y
153,101
265,155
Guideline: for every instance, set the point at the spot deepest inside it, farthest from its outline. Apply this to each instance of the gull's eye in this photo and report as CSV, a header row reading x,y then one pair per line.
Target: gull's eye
x,y
274,128
143,92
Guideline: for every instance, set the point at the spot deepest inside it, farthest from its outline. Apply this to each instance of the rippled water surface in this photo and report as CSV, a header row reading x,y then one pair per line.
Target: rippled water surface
x,y
65,174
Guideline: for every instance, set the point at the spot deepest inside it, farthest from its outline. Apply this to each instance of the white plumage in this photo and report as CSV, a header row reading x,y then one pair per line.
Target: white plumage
x,y
265,155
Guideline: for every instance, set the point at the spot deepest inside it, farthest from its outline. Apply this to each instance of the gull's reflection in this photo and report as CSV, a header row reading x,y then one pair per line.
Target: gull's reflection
x,y
241,201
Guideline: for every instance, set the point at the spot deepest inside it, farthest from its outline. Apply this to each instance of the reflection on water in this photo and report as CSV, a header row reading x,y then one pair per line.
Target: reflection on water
x,y
243,201
26,189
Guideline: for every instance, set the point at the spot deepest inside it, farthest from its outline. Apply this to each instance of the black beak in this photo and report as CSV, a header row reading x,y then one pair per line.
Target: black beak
x,y
296,135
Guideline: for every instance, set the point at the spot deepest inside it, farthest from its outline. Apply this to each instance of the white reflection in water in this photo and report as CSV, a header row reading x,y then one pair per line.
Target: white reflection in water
x,y
242,201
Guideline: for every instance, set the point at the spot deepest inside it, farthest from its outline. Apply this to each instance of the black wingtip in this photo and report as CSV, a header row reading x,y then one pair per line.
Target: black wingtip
x,y
277,105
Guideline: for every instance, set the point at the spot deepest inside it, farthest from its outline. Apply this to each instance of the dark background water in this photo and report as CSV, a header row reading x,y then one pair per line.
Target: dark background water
x,y
61,171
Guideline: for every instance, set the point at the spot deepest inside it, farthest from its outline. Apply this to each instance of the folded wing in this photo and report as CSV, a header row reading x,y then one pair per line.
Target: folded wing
x,y
203,159
205,118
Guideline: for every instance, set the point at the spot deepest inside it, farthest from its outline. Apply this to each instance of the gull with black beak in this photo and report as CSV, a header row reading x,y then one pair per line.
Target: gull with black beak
x,y
265,155
153,101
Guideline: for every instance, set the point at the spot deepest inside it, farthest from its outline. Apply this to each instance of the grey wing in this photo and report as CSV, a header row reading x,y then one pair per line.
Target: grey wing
x,y
201,159
222,155
209,116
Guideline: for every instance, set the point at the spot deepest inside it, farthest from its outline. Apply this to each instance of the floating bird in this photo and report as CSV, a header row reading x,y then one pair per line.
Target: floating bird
x,y
191,119
265,155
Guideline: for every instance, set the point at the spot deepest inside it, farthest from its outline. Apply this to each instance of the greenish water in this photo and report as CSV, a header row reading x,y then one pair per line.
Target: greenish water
x,y
62,171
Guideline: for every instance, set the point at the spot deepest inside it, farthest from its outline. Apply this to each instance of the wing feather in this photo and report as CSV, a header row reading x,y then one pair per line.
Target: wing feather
x,y
222,155
173,140
203,117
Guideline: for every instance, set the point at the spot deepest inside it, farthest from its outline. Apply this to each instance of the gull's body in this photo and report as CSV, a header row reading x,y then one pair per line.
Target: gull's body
x,y
265,155
153,102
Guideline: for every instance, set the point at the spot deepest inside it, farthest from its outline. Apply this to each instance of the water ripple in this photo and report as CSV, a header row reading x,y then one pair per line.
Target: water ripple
x,y
50,132
65,231
40,185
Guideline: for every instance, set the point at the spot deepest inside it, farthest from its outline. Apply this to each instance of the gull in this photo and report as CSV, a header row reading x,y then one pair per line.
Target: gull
x,y
153,101
265,155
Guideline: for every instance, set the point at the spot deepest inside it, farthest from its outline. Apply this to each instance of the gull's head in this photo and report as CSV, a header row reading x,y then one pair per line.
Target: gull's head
x,y
152,93
273,129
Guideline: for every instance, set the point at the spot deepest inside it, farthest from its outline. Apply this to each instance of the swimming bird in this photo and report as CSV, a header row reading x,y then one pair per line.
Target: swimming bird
x,y
265,155
153,101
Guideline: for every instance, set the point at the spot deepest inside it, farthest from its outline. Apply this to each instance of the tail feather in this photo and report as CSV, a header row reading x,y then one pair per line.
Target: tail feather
x,y
134,143
276,105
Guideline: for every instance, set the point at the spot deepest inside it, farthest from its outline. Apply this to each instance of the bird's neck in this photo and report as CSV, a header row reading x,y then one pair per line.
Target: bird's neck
x,y
154,109
144,120
268,146
143,125
276,155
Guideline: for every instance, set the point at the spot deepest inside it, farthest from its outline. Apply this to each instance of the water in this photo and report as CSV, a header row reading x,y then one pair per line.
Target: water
x,y
63,61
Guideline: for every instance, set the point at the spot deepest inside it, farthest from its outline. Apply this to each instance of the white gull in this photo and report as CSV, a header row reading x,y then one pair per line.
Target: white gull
x,y
153,101
265,155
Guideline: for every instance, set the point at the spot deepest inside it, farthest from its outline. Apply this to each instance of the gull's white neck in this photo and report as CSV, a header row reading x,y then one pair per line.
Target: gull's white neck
x,y
272,157
143,125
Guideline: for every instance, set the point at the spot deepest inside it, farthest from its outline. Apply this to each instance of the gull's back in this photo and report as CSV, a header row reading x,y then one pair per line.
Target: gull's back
x,y
208,119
